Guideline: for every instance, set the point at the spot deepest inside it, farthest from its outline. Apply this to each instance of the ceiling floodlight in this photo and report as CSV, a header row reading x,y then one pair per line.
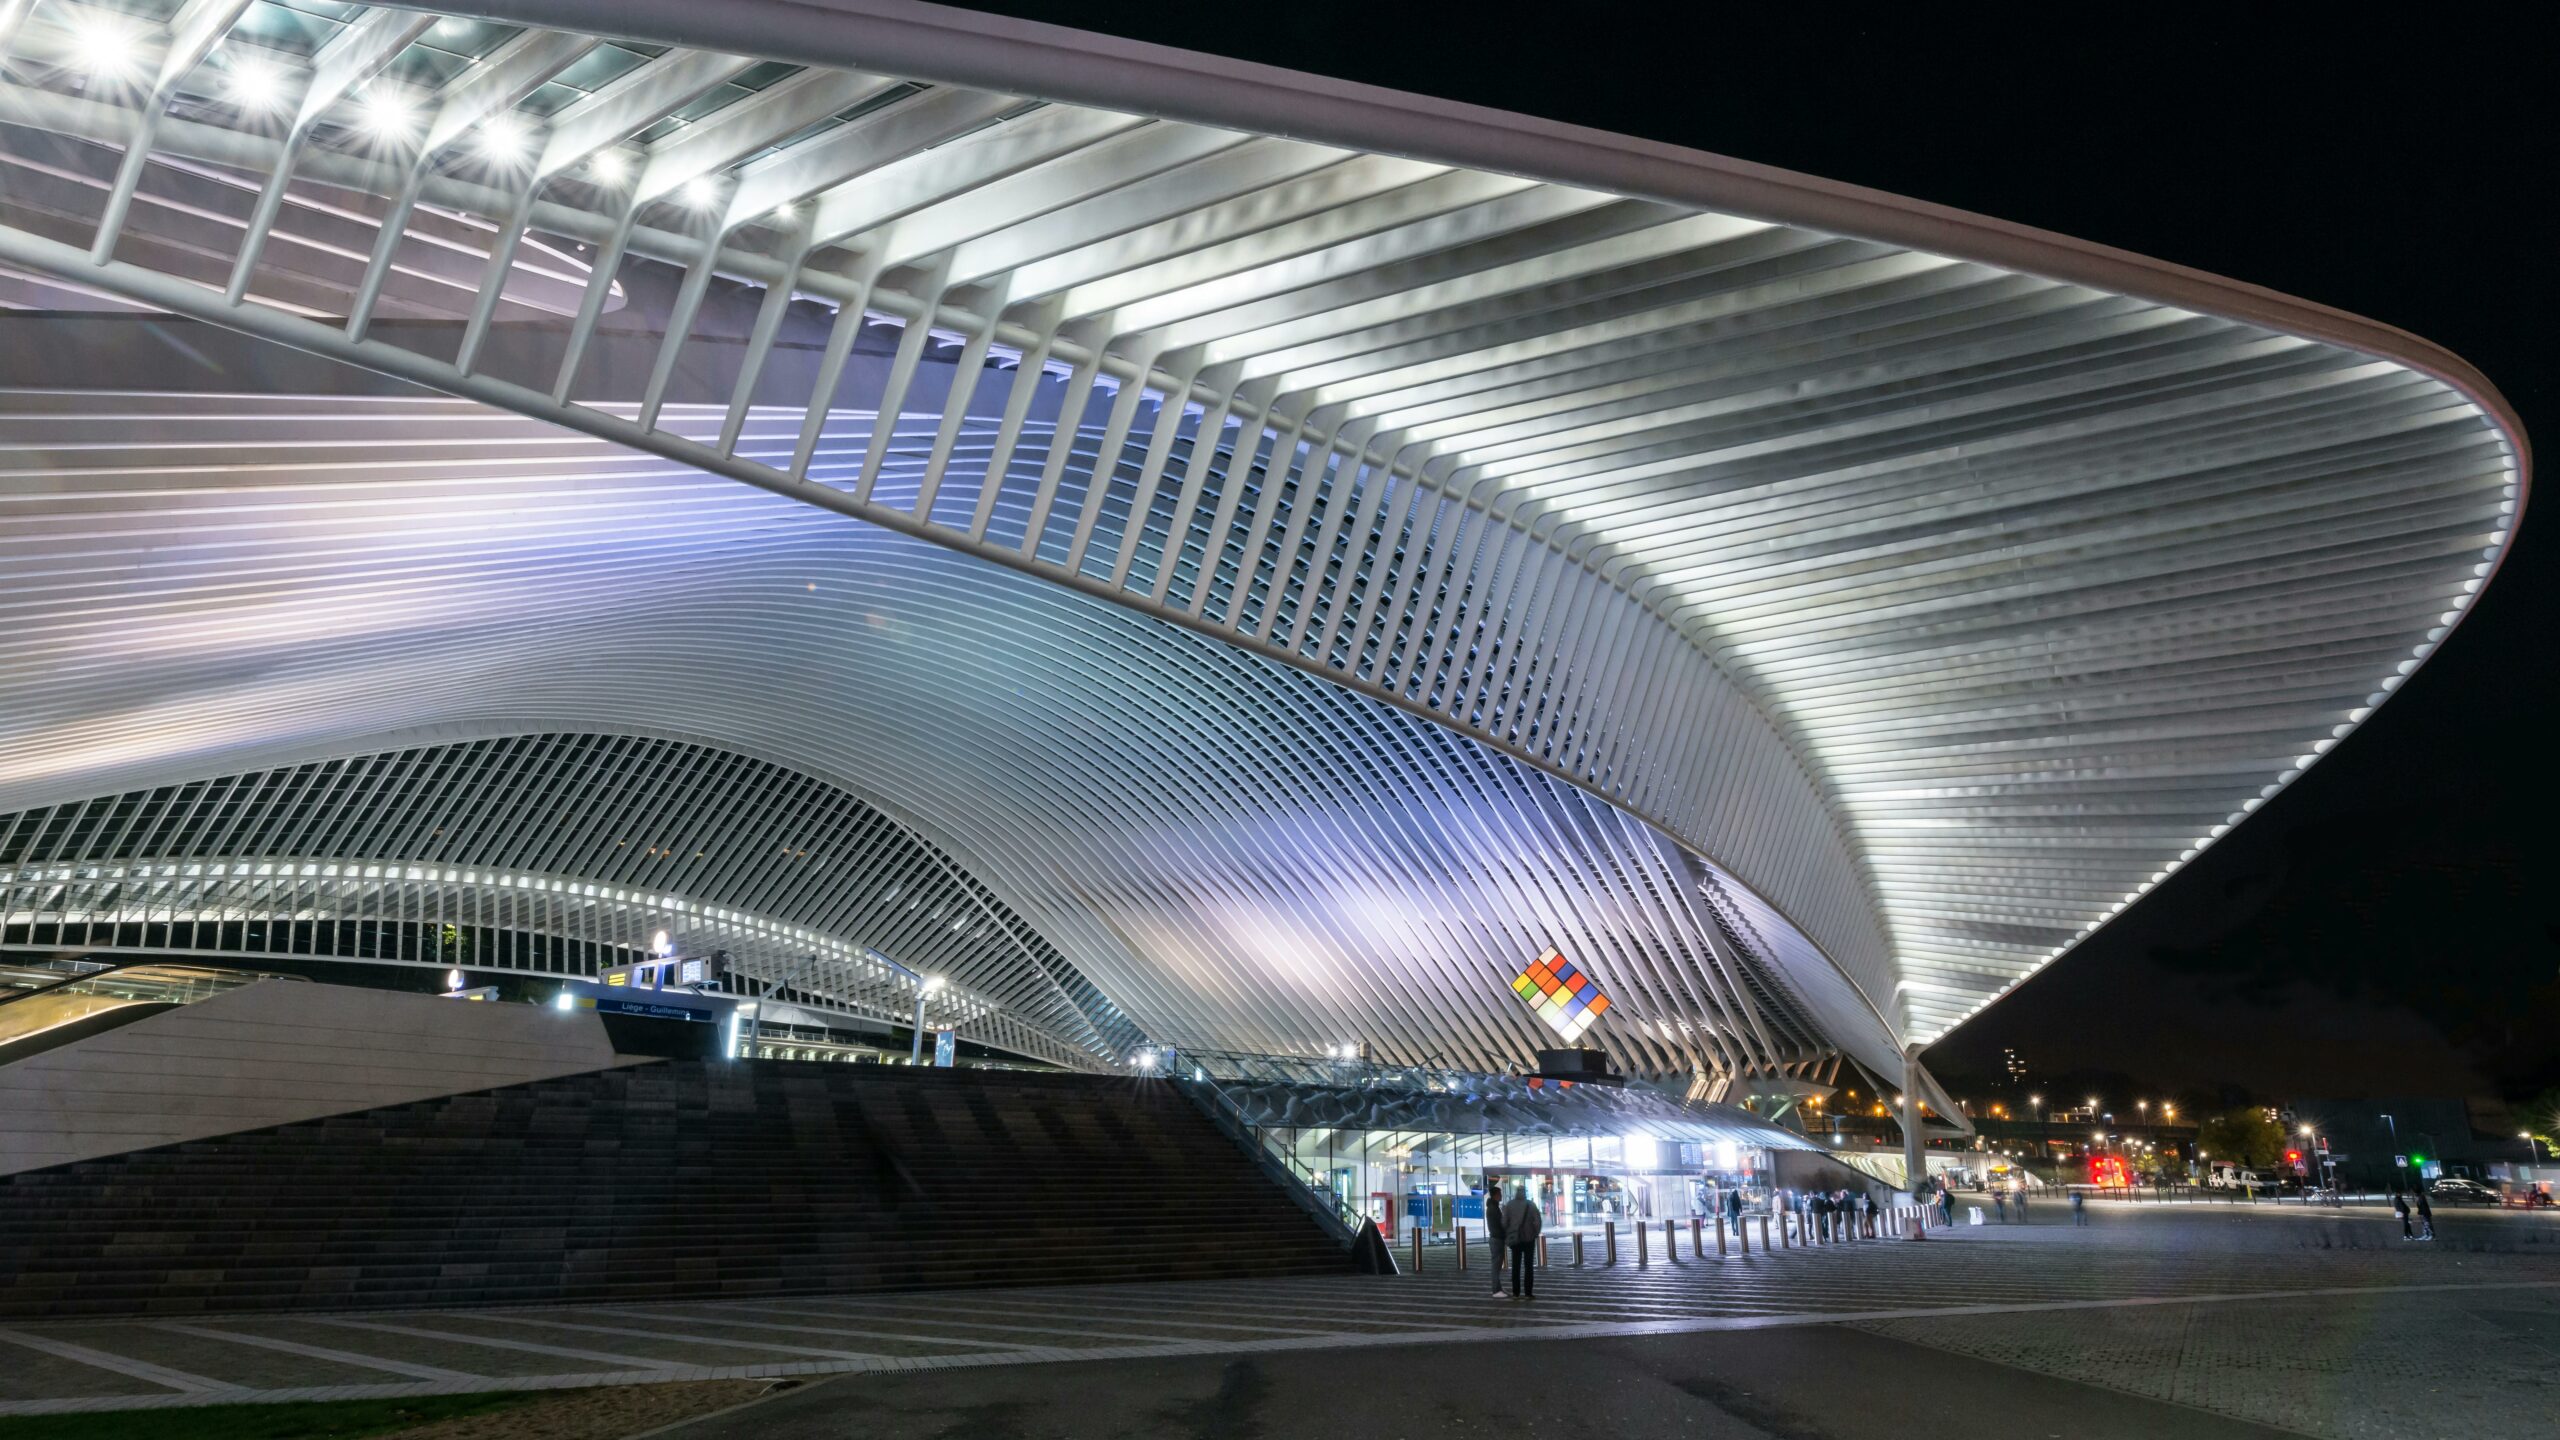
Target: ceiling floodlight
x,y
701,191
254,84
504,139
387,115
1562,995
103,46
609,167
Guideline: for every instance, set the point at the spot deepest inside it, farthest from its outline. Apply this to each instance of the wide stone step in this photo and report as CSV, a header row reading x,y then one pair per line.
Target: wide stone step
x,y
675,1180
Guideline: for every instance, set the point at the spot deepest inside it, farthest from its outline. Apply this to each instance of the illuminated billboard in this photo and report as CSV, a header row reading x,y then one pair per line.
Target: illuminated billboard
x,y
1562,995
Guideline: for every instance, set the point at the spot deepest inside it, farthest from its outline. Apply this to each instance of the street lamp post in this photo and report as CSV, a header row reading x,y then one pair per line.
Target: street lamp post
x,y
924,987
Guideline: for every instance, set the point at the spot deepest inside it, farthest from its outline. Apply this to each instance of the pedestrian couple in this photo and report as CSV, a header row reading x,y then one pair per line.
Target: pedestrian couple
x,y
1513,1227
2426,1217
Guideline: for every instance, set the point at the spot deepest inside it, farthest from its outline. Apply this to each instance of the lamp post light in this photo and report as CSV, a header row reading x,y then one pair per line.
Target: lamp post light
x,y
924,987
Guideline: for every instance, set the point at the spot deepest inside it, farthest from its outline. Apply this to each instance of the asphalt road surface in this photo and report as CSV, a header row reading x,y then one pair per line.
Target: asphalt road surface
x,y
1799,1383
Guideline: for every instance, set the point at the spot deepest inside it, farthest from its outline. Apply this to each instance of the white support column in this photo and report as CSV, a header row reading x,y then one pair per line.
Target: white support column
x,y
1915,1154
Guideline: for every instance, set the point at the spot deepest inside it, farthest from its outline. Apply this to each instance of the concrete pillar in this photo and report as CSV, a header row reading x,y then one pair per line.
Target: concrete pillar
x,y
1915,1155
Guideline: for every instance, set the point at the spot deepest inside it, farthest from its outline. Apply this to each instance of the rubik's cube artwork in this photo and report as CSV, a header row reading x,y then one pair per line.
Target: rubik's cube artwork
x,y
1563,996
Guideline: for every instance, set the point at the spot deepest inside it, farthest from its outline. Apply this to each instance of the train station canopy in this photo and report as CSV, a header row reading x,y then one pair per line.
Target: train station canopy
x,y
1189,553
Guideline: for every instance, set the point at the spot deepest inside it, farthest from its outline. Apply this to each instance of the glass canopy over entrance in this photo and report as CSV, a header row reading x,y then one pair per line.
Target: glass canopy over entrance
x,y
1416,1146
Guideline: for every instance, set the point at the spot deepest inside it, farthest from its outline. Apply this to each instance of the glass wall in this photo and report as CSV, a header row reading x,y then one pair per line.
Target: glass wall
x,y
1436,1180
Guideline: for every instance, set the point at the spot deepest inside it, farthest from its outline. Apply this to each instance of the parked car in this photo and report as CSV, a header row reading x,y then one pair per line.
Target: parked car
x,y
2456,1190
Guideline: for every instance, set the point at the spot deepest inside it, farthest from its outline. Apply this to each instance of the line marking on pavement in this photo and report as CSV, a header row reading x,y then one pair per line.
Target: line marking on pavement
x,y
752,1346
679,1317
120,1364
464,1337
1103,1316
320,1352
202,1391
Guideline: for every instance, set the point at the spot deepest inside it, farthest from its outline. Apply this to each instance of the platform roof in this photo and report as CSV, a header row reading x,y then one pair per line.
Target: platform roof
x,y
1330,543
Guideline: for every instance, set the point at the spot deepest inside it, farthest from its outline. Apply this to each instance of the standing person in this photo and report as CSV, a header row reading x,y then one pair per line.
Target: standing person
x,y
1493,1231
2400,1203
2426,1216
1520,1225
1733,1206
2000,1203
1946,1205
2022,1202
2079,1208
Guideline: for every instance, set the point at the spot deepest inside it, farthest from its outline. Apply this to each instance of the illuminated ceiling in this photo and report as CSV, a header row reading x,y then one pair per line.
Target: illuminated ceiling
x,y
1508,533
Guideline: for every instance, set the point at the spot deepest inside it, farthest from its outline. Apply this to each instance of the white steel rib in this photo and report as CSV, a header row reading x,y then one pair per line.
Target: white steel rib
x,y
1326,543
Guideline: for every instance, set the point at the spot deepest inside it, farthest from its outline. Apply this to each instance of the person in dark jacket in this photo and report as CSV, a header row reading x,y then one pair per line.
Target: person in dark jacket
x,y
1733,1206
2400,1203
2426,1217
1493,1232
1520,1225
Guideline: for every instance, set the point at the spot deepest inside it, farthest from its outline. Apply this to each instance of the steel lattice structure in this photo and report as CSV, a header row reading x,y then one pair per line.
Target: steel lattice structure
x,y
1325,541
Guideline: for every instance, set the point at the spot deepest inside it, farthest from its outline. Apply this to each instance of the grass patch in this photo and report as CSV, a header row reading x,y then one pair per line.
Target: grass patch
x,y
308,1420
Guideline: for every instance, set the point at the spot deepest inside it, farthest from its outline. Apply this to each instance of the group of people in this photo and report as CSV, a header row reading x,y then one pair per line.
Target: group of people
x,y
1511,1227
2425,1217
1832,1214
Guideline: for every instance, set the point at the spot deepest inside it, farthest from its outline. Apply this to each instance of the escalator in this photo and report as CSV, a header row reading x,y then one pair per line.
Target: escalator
x,y
49,1004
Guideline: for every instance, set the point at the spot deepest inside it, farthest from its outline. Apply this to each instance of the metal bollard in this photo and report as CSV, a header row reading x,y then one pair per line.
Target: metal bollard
x,y
1746,1242
1462,1249
1608,1242
1417,1249
1643,1257
1577,1249
1764,1232
1698,1237
1542,1252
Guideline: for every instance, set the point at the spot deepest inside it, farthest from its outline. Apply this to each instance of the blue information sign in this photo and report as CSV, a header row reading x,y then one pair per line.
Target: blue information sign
x,y
616,1005
944,1048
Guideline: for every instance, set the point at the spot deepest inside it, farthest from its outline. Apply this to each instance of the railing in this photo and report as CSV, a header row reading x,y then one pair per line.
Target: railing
x,y
1339,1217
39,1016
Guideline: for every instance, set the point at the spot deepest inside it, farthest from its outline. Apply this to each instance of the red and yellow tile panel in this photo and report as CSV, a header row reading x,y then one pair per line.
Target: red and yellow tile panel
x,y
1562,995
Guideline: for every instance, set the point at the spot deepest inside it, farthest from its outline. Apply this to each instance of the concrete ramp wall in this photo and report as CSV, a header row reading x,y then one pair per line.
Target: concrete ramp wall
x,y
273,1053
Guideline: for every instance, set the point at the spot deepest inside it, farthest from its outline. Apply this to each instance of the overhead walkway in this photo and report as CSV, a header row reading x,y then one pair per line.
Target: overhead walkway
x,y
43,1007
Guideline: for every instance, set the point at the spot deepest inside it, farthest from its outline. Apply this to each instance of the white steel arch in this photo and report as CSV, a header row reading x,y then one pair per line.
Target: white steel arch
x,y
1939,586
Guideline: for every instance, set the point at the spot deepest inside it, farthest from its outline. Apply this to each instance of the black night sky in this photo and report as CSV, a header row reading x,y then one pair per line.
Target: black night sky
x,y
2386,925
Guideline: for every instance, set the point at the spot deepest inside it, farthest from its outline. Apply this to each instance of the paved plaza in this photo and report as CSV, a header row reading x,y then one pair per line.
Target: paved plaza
x,y
2313,1322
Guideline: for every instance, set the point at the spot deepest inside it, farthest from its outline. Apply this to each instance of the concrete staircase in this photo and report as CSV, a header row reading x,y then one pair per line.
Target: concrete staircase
x,y
673,1180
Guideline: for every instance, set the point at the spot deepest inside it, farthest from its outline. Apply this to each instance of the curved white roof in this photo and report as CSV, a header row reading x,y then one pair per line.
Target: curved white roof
x,y
1510,534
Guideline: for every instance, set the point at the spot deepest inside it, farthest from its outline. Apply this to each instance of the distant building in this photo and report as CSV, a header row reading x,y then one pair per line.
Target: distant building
x,y
2401,1139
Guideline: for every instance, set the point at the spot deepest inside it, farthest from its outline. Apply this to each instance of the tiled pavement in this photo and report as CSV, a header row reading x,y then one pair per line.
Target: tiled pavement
x,y
2370,1365
1989,1291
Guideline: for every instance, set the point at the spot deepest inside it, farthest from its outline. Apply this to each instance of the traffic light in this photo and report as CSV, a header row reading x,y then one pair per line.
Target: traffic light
x,y
2293,1158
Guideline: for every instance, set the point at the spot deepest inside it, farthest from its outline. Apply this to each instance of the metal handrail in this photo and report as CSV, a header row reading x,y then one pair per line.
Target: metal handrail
x,y
1339,1216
